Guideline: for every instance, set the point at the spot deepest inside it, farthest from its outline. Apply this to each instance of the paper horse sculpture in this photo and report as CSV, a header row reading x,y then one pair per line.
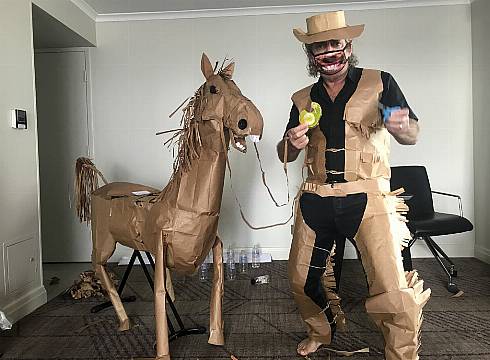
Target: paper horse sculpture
x,y
178,224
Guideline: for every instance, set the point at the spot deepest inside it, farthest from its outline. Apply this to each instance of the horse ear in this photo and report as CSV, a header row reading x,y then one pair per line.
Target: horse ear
x,y
206,67
228,71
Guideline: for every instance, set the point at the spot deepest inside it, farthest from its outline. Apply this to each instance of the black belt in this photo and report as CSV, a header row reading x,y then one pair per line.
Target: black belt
x,y
334,181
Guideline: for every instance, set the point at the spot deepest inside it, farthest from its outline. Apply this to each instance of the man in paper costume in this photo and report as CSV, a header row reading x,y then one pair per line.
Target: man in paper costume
x,y
347,191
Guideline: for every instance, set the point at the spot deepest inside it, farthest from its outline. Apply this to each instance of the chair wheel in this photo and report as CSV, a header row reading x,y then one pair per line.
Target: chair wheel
x,y
452,288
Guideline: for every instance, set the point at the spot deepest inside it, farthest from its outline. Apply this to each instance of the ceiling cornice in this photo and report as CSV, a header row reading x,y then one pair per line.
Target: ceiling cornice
x,y
263,10
86,8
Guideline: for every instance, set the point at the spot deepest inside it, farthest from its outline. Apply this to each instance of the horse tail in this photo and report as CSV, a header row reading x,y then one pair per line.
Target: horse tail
x,y
86,182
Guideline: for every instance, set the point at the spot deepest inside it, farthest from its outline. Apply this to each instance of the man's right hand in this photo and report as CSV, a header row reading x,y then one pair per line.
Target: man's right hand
x,y
297,136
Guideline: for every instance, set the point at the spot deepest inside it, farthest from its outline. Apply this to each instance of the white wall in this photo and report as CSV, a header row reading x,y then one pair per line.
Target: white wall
x,y
480,22
141,71
21,289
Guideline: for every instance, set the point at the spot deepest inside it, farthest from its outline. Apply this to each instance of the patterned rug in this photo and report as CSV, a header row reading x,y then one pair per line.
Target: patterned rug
x,y
261,321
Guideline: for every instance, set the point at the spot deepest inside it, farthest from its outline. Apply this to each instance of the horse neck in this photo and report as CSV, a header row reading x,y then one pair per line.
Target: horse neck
x,y
200,188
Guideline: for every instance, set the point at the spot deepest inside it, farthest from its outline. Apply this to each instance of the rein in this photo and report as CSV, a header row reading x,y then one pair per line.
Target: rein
x,y
225,148
265,182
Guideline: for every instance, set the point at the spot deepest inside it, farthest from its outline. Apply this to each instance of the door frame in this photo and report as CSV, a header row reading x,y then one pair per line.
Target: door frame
x,y
90,148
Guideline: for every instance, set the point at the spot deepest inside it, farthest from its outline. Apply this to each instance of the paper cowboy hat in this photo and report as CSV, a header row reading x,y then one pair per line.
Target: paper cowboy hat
x,y
327,26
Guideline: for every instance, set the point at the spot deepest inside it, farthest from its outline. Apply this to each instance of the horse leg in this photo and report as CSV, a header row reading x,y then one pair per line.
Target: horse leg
x,y
104,246
216,333
160,303
169,285
99,262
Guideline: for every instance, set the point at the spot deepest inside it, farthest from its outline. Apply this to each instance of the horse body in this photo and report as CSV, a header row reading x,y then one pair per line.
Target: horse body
x,y
178,225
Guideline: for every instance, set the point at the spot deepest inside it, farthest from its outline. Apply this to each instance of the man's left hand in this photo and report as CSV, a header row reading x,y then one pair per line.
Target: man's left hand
x,y
398,122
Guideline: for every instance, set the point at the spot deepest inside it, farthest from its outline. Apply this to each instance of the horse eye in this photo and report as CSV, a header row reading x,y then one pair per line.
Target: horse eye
x,y
213,90
242,124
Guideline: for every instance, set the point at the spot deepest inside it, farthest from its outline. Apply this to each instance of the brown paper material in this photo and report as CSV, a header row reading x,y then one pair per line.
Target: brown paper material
x,y
326,26
395,299
89,285
329,284
161,331
347,353
299,258
216,325
366,140
178,224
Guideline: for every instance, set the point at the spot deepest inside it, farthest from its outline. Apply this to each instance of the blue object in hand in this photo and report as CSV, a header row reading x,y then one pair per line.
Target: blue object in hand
x,y
387,110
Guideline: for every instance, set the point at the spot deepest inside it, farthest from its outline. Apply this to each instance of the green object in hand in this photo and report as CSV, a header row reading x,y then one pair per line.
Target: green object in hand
x,y
311,118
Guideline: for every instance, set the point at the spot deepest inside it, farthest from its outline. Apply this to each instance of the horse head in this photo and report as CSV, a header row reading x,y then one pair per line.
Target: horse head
x,y
223,100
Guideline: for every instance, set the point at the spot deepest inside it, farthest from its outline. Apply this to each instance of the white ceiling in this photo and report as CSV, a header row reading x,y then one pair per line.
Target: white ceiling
x,y
138,6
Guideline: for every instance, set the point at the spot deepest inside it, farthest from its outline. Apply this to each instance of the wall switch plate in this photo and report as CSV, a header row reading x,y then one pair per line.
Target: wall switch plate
x,y
18,118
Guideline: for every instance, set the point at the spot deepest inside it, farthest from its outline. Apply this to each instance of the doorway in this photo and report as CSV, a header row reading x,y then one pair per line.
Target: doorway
x,y
61,62
64,134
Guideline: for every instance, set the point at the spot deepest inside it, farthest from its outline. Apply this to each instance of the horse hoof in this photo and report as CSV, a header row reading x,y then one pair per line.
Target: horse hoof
x,y
216,338
124,325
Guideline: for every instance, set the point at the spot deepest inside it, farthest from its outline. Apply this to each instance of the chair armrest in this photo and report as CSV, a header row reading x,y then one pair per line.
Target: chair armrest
x,y
452,195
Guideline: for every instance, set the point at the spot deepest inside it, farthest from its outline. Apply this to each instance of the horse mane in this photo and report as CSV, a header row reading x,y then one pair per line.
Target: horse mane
x,y
187,139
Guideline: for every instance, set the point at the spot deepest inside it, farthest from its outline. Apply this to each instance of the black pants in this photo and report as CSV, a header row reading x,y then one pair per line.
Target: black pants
x,y
333,219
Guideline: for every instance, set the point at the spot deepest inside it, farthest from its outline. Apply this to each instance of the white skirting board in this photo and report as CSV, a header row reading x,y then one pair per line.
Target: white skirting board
x,y
25,304
482,253
418,250
264,257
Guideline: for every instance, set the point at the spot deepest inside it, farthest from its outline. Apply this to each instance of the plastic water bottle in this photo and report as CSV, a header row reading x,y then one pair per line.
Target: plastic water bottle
x,y
5,324
256,257
243,267
230,264
204,268
203,271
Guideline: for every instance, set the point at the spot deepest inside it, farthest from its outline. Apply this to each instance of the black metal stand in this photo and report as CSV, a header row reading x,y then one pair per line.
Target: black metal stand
x,y
173,333
449,270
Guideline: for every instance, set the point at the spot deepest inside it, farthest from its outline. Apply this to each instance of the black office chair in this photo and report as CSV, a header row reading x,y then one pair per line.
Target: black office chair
x,y
423,221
